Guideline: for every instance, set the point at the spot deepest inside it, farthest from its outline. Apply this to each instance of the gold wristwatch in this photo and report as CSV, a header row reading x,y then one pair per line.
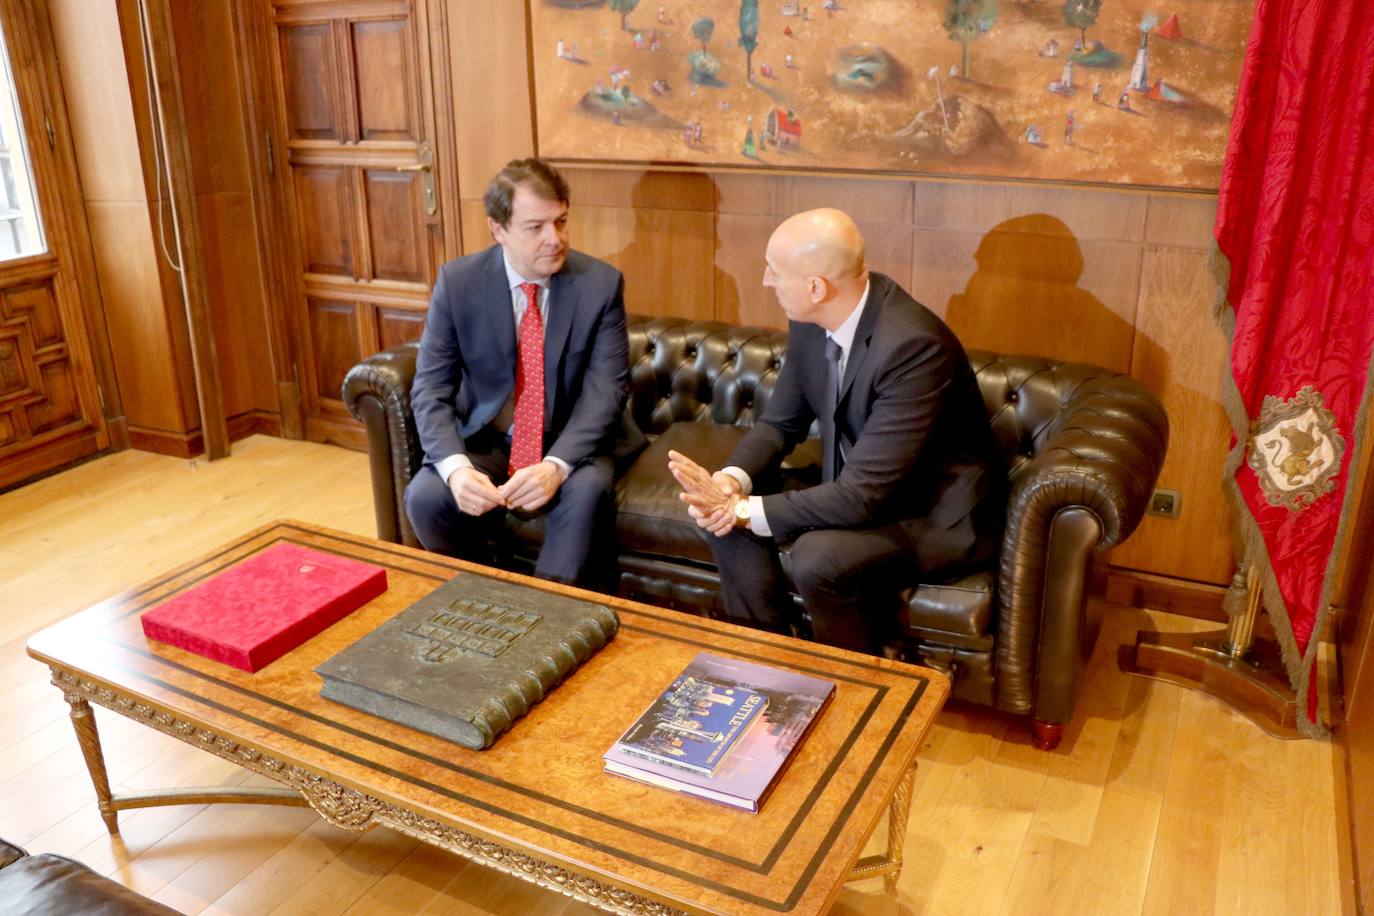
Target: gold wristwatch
x,y
742,512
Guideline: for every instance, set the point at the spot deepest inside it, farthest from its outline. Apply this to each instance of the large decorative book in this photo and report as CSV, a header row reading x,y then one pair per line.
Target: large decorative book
x,y
469,658
256,611
788,704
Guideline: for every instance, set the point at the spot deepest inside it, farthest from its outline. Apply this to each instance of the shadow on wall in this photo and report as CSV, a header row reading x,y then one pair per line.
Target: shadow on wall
x,y
664,261
1024,297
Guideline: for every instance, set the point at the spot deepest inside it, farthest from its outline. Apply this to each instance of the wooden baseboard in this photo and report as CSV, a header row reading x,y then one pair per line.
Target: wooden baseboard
x,y
1202,600
254,422
166,442
347,433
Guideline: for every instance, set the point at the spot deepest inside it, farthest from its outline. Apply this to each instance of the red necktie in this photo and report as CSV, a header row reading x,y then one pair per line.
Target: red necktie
x,y
527,430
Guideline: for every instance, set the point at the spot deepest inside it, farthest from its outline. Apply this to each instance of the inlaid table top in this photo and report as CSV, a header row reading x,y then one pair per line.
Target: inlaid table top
x,y
536,803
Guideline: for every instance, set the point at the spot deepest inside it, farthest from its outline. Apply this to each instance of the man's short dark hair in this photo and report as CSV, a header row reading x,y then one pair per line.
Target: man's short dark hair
x,y
536,175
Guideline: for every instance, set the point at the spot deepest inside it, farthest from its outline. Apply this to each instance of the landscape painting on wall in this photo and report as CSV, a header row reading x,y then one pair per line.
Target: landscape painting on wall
x,y
1135,92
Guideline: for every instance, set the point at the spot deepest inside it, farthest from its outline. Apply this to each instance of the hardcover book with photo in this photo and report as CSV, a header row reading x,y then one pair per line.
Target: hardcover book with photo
x,y
788,705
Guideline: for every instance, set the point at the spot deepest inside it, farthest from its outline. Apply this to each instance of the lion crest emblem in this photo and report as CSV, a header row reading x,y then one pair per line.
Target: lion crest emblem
x,y
1295,449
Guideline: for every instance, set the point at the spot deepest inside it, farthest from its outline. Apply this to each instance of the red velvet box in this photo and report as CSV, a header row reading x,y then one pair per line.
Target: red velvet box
x,y
258,610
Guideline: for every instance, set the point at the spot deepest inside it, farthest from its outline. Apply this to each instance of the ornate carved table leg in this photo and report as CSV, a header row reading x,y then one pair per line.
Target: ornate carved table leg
x,y
83,720
890,865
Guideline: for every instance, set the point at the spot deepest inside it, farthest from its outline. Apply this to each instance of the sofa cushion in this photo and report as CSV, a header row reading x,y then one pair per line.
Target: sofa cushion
x,y
957,612
650,519
51,884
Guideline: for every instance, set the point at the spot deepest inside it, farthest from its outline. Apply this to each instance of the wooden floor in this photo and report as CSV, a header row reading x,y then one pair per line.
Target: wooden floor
x,y
1158,801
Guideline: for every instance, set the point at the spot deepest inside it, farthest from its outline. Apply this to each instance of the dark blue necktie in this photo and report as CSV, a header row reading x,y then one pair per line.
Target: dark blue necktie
x,y
830,443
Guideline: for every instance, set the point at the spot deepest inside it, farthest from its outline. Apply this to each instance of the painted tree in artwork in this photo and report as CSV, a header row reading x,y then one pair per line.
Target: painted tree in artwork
x,y
966,21
624,8
1080,14
749,33
702,30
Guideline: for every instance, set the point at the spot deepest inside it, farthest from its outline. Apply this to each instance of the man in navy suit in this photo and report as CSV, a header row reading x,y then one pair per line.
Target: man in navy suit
x,y
520,385
911,477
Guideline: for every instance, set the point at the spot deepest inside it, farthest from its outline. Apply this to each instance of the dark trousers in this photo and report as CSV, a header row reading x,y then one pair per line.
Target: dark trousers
x,y
580,518
848,581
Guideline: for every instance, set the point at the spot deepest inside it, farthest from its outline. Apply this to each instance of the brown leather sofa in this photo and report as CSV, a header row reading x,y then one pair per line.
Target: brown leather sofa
x,y
55,884
1083,447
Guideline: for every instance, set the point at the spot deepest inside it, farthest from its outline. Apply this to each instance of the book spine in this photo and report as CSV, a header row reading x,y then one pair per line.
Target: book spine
x,y
515,699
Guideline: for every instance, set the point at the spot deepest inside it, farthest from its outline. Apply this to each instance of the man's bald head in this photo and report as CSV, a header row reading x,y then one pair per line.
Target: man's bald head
x,y
816,265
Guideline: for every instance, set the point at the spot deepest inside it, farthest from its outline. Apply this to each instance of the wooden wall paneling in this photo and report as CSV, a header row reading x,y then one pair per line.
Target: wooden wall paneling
x,y
1355,734
179,166
99,89
473,218
667,256
870,200
639,188
1180,354
278,245
1035,288
493,113
211,84
234,281
77,235
1089,213
135,314
742,239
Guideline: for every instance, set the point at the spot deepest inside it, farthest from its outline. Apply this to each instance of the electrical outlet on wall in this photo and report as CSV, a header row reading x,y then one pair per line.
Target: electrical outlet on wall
x,y
1166,503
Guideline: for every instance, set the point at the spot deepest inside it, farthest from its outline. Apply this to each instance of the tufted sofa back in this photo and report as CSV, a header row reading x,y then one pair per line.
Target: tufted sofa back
x,y
713,372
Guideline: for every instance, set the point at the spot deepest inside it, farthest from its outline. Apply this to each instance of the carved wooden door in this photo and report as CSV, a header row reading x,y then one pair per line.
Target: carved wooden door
x,y
49,403
356,107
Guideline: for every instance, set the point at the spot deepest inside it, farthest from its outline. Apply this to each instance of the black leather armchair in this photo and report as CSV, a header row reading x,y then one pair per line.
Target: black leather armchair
x,y
1083,447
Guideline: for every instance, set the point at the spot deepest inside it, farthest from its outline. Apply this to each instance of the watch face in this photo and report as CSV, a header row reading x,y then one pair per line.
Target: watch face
x,y
742,510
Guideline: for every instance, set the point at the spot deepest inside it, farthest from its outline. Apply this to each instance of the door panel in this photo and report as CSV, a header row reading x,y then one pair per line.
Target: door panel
x,y
334,335
322,198
356,105
395,225
387,108
396,326
312,109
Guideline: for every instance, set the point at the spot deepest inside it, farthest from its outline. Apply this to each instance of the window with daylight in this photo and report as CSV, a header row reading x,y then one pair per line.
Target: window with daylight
x,y
21,230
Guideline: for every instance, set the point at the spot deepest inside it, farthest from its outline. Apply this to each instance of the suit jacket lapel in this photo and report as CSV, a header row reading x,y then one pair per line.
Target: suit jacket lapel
x,y
868,321
497,302
563,294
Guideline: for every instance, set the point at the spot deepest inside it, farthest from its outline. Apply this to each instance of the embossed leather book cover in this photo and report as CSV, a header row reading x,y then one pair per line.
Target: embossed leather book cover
x,y
469,658
753,767
256,611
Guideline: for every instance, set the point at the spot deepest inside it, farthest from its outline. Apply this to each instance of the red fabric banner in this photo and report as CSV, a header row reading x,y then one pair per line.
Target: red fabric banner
x,y
1295,218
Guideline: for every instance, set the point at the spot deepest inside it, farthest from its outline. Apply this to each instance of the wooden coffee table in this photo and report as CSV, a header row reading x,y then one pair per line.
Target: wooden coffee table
x,y
537,803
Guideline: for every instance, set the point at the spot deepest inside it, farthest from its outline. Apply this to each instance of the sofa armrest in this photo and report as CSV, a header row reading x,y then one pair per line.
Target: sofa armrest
x,y
377,393
1085,489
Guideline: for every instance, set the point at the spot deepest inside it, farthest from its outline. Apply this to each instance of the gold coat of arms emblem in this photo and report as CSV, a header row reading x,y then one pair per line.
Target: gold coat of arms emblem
x,y
1295,449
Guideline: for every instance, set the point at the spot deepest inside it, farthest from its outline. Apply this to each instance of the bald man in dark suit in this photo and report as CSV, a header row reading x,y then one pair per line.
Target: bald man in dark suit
x,y
911,478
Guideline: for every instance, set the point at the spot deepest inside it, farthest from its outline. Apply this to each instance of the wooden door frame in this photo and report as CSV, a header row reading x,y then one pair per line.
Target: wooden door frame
x,y
275,202
69,259
76,234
